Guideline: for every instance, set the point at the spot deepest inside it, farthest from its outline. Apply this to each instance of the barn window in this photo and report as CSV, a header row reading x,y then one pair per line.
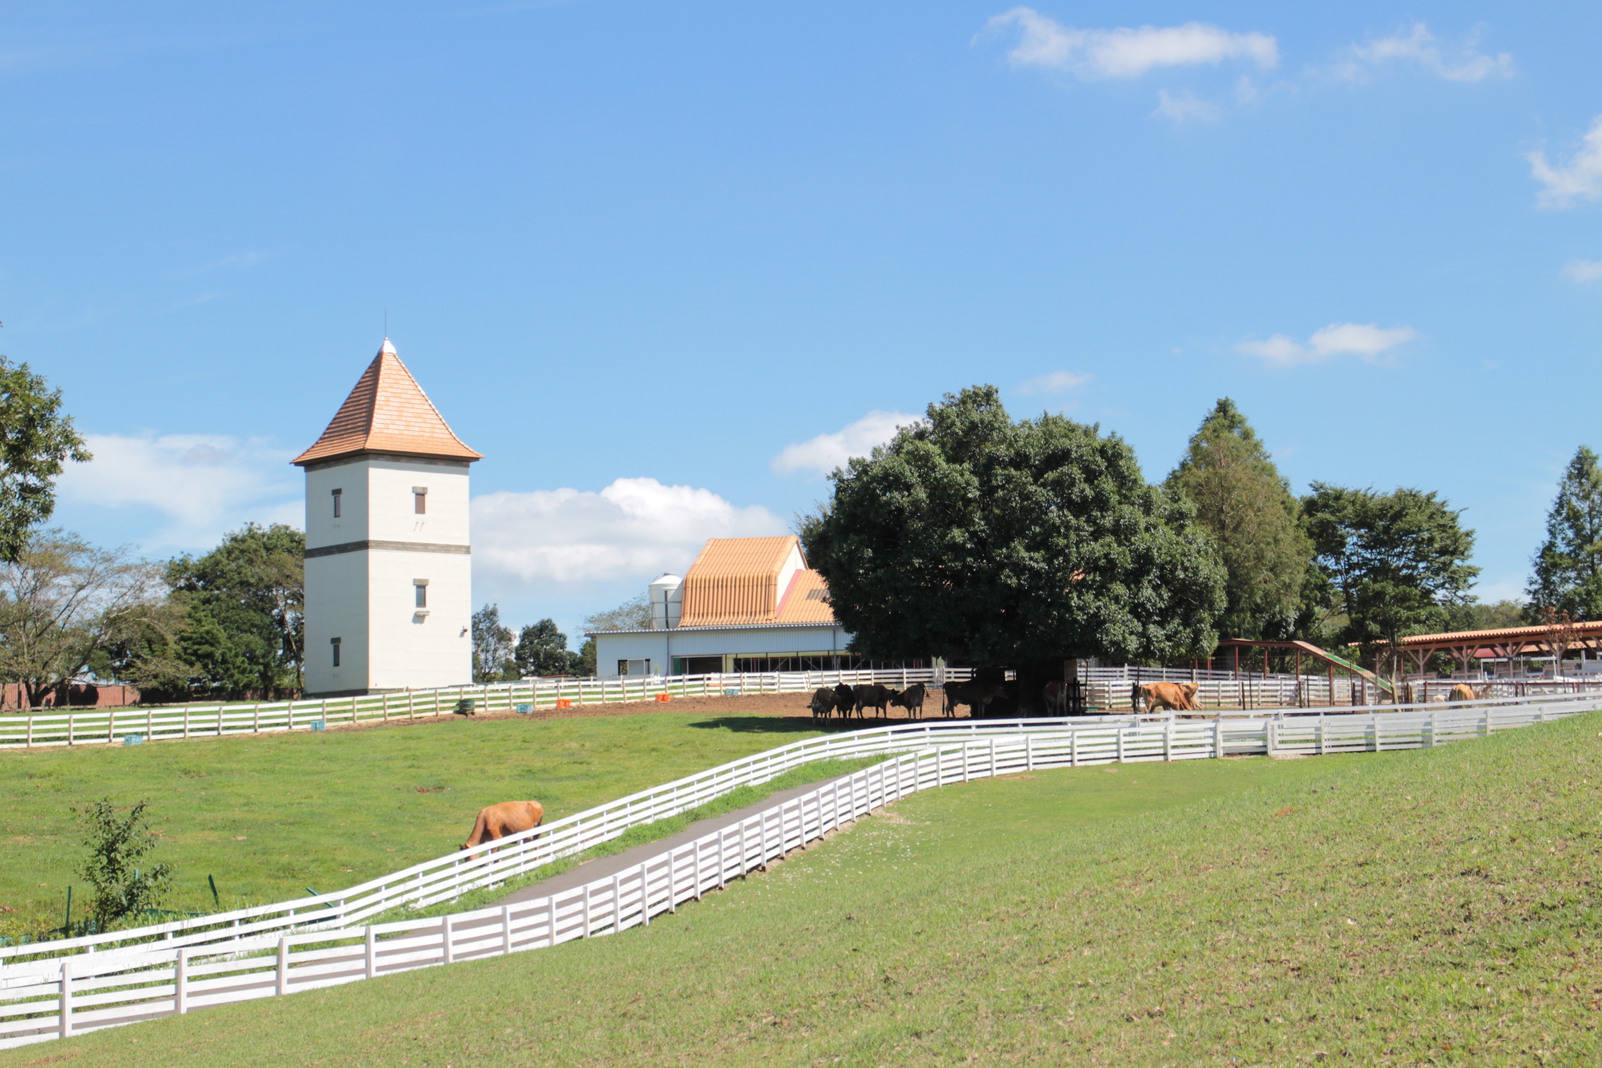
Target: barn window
x,y
420,592
334,645
338,497
420,499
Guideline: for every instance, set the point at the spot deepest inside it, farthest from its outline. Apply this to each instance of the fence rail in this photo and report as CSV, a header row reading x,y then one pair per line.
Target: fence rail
x,y
117,979
111,726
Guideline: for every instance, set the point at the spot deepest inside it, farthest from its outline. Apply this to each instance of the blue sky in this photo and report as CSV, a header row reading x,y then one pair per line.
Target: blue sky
x,y
665,264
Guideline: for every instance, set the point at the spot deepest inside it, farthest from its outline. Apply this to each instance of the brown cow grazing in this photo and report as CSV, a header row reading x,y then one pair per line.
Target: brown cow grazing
x,y
1462,692
845,699
911,699
500,820
1175,696
872,695
973,693
822,702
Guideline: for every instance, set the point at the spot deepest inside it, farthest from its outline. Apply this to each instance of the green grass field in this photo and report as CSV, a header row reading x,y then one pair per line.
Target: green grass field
x,y
1429,907
270,816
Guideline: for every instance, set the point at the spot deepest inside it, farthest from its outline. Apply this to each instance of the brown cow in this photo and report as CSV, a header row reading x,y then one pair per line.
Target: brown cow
x,y
1463,692
822,702
500,820
911,699
1175,696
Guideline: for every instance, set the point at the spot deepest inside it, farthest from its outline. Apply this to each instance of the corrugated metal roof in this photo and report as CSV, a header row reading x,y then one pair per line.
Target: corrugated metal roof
x,y
735,580
1465,637
388,411
806,601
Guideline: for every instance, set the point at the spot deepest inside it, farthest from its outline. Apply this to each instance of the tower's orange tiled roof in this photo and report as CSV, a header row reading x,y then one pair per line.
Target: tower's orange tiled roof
x,y
388,412
806,601
735,580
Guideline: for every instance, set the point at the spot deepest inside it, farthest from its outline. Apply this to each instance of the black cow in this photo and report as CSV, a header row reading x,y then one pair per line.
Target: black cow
x,y
845,699
911,699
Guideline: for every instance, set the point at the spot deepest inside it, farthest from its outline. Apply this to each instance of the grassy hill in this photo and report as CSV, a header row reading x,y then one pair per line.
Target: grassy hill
x,y
1432,907
272,815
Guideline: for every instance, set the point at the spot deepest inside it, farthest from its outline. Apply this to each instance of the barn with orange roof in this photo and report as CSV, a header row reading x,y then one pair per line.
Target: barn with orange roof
x,y
745,604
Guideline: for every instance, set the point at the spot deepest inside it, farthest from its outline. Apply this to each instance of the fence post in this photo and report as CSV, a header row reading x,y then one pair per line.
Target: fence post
x,y
550,919
1168,741
992,758
1073,749
282,986
1029,752
186,723
645,897
371,949
506,929
586,910
617,903
1120,743
445,937
1432,729
180,984
673,882
1218,736
1321,734
64,1012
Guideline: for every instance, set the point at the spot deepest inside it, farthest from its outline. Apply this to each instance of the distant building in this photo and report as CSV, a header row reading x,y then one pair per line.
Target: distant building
x,y
389,599
745,604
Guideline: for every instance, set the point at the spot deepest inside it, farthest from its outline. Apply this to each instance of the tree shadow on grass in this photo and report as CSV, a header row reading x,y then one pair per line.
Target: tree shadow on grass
x,y
766,724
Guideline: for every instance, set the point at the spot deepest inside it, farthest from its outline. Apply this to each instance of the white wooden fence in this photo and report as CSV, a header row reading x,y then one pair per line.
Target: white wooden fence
x,y
1108,687
110,726
89,984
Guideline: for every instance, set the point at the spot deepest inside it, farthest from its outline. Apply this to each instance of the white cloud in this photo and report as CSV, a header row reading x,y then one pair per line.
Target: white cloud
x,y
1126,52
1185,106
633,529
1366,341
202,485
1583,270
1417,45
822,454
1581,179
1055,382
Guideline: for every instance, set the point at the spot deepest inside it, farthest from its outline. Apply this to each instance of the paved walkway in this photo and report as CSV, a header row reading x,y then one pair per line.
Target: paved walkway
x,y
601,867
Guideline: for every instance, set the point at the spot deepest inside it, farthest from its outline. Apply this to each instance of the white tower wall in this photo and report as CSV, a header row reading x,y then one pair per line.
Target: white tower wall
x,y
364,567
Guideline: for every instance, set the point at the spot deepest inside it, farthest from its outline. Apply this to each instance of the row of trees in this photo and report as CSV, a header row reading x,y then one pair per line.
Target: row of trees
x,y
996,542
500,655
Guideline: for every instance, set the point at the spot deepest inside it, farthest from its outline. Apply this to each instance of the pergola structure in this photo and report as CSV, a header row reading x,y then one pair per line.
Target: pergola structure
x,y
1555,640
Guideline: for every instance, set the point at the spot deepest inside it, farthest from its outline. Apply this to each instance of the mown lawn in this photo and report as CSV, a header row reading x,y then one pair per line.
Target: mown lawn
x,y
1435,907
273,815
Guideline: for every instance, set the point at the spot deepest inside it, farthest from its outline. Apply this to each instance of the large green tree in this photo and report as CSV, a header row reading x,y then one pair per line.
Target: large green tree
x,y
64,601
1567,575
36,439
243,605
542,650
1253,518
1391,563
998,543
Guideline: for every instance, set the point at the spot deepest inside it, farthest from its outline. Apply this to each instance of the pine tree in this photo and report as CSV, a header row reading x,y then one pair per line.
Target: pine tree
x,y
1568,566
1248,509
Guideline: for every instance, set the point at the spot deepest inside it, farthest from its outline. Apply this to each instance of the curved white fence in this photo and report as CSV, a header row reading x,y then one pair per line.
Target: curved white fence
x,y
62,988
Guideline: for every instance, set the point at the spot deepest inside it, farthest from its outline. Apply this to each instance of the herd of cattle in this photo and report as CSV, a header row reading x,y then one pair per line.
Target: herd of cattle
x,y
847,701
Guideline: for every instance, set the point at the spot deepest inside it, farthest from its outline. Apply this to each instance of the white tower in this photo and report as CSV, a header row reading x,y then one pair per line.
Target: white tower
x,y
389,599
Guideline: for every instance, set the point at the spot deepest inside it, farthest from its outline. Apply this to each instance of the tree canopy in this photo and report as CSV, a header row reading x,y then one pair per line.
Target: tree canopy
x,y
36,439
1392,563
542,650
62,602
493,651
992,542
1253,518
243,602
1567,575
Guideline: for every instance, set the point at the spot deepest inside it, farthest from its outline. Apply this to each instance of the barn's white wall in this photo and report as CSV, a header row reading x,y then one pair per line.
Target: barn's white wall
x,y
660,646
390,485
419,648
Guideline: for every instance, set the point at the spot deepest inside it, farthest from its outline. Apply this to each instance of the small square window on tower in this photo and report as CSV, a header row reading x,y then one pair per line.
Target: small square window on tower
x,y
338,500
333,644
420,499
420,591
